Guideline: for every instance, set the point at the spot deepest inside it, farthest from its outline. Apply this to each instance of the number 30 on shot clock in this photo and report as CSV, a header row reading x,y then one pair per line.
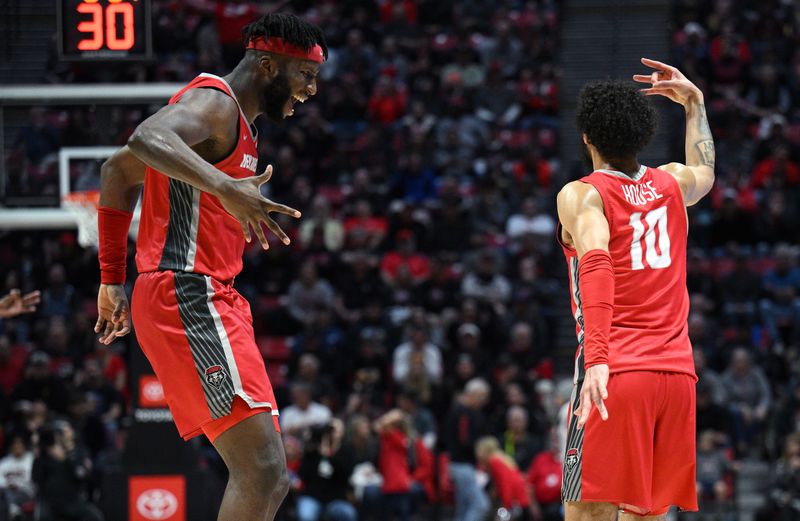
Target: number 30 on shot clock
x,y
104,29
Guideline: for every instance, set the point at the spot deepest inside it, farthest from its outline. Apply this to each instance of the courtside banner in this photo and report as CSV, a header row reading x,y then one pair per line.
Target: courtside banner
x,y
157,498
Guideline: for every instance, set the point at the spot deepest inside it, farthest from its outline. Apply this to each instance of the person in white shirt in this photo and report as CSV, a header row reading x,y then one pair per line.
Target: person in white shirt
x,y
304,413
16,472
418,347
530,221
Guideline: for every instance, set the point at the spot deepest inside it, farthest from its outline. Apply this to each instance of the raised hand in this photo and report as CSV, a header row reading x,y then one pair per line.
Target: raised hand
x,y
243,200
15,303
669,82
113,313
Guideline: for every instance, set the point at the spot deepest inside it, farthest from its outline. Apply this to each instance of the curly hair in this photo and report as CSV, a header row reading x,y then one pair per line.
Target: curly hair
x,y
616,118
290,28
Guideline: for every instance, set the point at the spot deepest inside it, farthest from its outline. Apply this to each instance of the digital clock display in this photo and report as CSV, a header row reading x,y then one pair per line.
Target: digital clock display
x,y
104,29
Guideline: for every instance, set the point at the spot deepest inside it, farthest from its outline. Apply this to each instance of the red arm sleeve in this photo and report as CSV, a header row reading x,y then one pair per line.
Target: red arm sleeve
x,y
112,227
596,284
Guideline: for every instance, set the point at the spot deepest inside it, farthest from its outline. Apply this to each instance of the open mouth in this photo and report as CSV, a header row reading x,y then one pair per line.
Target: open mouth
x,y
289,108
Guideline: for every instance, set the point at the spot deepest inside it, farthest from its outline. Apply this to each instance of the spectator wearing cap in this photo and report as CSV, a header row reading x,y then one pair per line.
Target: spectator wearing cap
x,y
417,350
465,424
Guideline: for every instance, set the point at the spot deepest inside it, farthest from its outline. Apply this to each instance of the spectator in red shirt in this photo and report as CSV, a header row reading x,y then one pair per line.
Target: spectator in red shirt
x,y
776,171
388,101
544,478
406,255
397,462
509,484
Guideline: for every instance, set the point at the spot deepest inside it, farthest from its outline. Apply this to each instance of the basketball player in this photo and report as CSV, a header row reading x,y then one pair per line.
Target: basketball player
x,y
197,158
631,442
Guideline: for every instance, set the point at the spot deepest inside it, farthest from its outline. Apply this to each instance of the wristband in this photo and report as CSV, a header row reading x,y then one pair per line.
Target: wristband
x,y
112,227
596,284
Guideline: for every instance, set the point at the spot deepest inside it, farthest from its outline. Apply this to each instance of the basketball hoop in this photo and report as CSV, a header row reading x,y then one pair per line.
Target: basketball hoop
x,y
83,207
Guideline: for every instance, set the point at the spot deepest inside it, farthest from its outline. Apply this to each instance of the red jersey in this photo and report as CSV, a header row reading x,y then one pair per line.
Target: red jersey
x,y
185,229
544,475
393,462
648,228
509,483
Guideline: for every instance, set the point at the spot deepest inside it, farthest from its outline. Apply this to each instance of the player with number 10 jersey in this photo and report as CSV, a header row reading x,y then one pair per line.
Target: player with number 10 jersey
x,y
647,218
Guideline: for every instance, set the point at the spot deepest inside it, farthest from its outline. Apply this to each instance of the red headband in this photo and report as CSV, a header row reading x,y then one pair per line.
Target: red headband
x,y
279,46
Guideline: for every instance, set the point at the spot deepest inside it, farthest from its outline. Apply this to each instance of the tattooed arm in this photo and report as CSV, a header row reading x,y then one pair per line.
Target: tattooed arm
x,y
696,177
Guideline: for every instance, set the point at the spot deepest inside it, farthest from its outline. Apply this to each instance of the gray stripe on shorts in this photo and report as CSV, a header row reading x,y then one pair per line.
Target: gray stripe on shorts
x,y
180,245
204,342
573,458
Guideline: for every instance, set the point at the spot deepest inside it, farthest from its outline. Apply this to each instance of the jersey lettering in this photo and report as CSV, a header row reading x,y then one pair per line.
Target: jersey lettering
x,y
640,194
249,162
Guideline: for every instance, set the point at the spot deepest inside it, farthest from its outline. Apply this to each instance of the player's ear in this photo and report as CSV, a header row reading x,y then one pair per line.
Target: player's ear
x,y
268,65
585,139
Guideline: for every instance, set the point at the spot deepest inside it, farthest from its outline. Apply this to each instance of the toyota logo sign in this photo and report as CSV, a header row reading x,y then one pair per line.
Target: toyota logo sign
x,y
153,390
157,504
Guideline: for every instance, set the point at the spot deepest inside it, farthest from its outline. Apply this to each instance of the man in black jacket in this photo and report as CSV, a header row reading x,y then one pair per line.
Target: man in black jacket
x,y
325,471
465,424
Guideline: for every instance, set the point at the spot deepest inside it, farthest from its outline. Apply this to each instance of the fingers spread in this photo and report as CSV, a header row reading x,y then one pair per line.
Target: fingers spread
x,y
657,65
246,231
270,206
643,78
273,226
260,234
99,325
265,177
32,298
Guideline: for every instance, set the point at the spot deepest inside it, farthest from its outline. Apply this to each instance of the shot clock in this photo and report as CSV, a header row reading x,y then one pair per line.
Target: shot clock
x,y
104,29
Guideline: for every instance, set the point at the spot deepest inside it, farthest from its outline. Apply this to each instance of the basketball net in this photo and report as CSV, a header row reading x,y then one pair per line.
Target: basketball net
x,y
83,207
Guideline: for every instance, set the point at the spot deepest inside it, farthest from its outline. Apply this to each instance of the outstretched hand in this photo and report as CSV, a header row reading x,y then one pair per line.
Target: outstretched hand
x,y
15,303
113,313
243,200
593,392
669,82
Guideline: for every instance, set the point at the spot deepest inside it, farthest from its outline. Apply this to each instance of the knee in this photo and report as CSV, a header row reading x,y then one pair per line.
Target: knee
x,y
266,471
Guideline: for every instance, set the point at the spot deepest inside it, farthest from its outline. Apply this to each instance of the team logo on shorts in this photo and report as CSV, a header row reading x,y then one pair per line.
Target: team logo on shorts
x,y
572,458
215,375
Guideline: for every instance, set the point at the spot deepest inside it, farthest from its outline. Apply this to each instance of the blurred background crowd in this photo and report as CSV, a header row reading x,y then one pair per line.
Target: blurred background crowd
x,y
415,328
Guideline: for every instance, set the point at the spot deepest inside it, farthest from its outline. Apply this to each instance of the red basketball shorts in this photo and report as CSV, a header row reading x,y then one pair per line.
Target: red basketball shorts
x,y
197,334
643,457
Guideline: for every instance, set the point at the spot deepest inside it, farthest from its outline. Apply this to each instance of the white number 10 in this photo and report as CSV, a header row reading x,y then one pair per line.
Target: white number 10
x,y
656,260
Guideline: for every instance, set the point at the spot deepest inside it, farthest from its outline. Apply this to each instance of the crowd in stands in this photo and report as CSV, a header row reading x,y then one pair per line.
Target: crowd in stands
x,y
413,324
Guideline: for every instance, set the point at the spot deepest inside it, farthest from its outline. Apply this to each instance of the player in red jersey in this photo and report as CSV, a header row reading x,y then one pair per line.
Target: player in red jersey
x,y
623,230
197,158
